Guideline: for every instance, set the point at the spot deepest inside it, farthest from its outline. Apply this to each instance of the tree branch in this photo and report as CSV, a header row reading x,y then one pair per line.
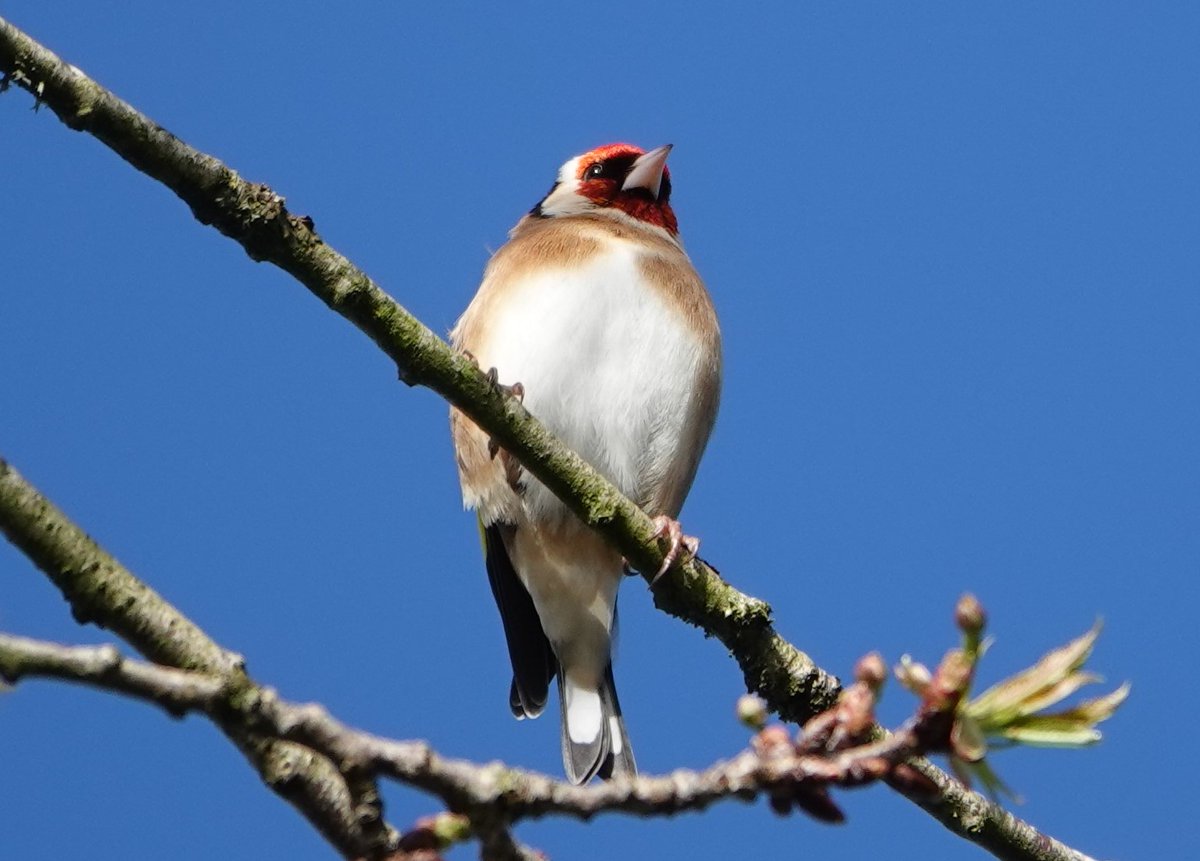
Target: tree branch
x,y
102,591
480,791
255,217
491,796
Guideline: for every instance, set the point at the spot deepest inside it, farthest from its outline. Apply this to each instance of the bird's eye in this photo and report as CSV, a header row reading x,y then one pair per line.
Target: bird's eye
x,y
595,171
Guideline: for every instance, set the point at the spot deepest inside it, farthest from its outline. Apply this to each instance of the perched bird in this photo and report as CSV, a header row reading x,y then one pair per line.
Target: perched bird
x,y
593,313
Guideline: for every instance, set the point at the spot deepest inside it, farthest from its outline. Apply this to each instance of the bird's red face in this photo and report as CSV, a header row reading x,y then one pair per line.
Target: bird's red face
x,y
619,176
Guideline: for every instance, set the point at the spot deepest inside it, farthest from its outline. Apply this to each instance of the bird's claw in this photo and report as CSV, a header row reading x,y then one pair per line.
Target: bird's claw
x,y
516,390
682,547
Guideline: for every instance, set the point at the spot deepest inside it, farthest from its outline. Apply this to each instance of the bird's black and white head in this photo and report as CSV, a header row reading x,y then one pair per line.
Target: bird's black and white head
x,y
617,176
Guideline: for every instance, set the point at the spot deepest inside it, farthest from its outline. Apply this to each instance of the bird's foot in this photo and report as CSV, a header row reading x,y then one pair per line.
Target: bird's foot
x,y
681,546
516,390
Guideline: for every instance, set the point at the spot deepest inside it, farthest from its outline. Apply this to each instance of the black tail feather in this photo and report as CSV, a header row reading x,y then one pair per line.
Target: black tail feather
x,y
610,755
620,761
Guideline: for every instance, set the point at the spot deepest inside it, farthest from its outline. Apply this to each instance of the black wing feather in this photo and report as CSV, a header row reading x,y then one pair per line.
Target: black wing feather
x,y
533,661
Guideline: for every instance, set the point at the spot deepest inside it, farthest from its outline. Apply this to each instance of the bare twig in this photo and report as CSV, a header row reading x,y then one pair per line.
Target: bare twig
x,y
176,691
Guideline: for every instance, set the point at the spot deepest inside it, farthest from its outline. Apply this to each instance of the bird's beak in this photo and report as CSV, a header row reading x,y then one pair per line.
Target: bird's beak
x,y
647,171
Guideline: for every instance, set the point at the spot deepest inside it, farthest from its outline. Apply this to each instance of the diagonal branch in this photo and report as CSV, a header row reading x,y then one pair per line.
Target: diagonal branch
x,y
255,217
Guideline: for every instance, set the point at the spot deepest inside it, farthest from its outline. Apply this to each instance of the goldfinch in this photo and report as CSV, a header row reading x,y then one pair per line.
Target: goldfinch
x,y
593,313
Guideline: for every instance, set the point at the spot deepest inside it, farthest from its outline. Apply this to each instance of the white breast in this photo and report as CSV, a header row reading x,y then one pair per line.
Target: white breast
x,y
607,364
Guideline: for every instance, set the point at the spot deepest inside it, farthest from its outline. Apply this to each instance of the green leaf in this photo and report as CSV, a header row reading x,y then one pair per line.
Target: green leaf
x,y
1047,682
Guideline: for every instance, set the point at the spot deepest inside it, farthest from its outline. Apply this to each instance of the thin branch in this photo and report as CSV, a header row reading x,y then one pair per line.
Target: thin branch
x,y
103,591
179,692
494,796
176,691
496,790
256,218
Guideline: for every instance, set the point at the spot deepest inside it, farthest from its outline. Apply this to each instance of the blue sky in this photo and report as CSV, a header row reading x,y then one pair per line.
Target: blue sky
x,y
954,253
